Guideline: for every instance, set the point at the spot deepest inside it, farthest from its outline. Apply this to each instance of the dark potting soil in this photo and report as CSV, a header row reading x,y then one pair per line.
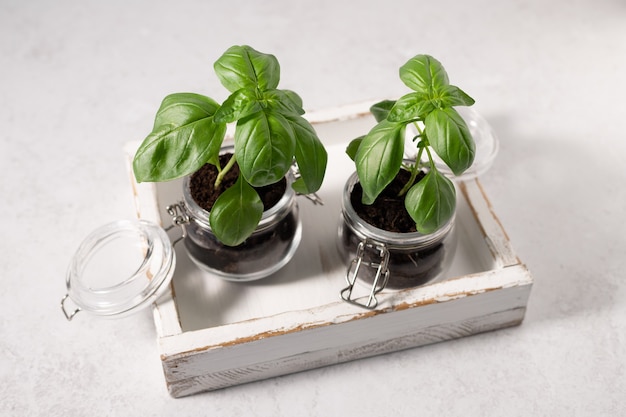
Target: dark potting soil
x,y
204,193
387,212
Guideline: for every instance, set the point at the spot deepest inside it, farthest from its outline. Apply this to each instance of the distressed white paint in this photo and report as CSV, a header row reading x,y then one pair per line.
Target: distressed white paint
x,y
266,347
289,325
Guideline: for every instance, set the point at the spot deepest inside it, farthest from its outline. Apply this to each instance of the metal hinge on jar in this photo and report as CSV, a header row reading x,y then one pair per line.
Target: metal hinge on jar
x,y
180,218
378,259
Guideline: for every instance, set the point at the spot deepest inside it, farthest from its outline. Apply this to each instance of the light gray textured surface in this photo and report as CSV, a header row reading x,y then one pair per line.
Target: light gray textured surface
x,y
79,79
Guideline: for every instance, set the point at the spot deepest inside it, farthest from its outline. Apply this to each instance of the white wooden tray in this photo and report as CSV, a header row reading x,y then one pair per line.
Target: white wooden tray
x,y
214,334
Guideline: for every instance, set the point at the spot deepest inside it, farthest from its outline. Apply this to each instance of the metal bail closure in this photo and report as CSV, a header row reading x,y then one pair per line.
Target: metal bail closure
x,y
118,269
372,259
180,218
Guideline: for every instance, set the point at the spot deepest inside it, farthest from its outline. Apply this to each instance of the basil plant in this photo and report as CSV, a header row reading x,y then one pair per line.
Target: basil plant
x,y
378,156
270,134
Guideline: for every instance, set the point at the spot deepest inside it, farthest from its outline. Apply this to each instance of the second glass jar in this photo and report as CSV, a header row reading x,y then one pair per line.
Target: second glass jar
x,y
390,259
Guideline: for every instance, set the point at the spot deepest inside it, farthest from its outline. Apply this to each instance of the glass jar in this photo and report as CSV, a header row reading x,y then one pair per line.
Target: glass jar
x,y
270,247
383,259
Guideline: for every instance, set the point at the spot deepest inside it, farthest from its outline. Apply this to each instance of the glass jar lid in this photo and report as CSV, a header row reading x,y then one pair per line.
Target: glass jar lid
x,y
119,268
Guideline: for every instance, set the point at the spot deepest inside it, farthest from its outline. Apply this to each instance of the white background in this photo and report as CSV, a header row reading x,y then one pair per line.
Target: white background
x,y
78,79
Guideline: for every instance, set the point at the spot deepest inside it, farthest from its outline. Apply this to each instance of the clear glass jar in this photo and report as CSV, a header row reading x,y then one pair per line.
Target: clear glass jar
x,y
383,259
270,247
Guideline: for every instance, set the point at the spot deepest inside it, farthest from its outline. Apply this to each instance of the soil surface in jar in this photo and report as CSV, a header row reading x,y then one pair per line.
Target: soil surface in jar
x,y
387,212
204,193
407,267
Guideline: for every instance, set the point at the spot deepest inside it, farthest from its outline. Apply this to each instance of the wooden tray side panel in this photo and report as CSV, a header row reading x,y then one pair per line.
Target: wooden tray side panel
x,y
495,236
232,364
199,371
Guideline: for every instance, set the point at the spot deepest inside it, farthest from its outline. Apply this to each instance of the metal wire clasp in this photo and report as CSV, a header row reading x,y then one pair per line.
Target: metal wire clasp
x,y
369,255
68,315
180,218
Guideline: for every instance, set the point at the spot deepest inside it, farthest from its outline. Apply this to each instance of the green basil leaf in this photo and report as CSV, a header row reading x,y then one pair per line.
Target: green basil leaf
x,y
379,158
283,102
451,139
299,186
264,146
179,109
241,103
236,213
353,147
431,202
452,95
295,99
310,156
410,107
424,74
245,67
184,138
381,109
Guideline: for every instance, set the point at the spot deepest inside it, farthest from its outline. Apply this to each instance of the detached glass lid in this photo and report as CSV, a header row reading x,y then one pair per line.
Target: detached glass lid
x,y
119,268
486,146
